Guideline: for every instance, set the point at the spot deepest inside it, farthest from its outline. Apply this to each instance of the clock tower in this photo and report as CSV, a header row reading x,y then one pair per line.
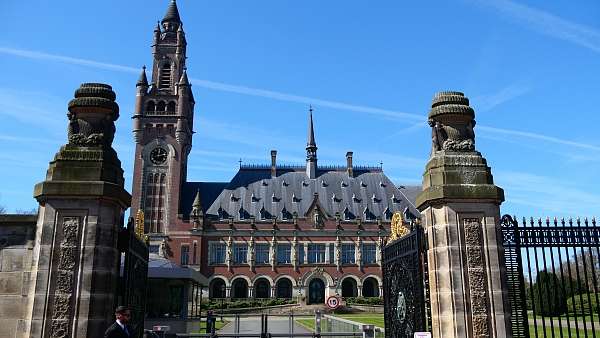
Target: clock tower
x,y
162,128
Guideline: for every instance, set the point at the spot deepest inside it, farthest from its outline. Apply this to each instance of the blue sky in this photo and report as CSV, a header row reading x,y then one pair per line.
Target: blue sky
x,y
370,69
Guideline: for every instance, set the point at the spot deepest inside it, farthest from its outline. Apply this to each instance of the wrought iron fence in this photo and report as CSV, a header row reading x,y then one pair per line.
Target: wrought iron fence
x,y
552,268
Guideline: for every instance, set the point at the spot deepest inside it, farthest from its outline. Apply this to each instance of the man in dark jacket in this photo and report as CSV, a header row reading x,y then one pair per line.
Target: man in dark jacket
x,y
120,329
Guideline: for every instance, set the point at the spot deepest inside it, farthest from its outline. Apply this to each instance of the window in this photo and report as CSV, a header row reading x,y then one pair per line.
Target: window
x,y
284,254
262,254
194,252
348,256
301,252
316,253
153,249
331,253
185,255
217,253
165,76
240,253
368,253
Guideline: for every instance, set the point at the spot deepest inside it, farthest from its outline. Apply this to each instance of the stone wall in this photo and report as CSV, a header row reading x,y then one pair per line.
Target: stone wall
x,y
17,234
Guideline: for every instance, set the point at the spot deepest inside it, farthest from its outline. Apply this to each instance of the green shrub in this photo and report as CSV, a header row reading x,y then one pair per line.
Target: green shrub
x,y
364,301
549,298
581,305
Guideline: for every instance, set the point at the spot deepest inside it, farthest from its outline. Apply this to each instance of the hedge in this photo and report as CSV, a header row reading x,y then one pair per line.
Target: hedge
x,y
244,303
364,300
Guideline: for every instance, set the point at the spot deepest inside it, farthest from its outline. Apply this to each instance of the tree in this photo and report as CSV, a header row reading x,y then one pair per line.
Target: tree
x,y
548,295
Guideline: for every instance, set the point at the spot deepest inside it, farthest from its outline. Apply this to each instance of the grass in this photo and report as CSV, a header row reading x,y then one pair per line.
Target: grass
x,y
367,318
565,332
308,323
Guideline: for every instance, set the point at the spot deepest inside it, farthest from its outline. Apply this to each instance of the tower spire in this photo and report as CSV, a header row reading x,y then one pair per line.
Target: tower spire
x,y
311,148
171,22
143,80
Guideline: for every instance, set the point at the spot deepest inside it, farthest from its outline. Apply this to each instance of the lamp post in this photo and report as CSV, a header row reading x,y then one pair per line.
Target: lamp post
x,y
222,300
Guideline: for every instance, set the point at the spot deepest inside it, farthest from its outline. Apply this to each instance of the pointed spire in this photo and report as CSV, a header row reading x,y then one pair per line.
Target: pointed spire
x,y
157,29
143,80
311,148
197,202
311,131
172,14
183,81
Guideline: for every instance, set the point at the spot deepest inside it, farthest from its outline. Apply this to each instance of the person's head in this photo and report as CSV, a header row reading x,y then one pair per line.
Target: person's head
x,y
123,314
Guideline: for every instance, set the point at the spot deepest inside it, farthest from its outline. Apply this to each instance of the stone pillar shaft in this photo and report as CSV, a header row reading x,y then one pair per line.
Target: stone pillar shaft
x,y
460,210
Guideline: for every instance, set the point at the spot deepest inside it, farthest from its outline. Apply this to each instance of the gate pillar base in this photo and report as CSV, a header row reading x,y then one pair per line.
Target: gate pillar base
x,y
460,210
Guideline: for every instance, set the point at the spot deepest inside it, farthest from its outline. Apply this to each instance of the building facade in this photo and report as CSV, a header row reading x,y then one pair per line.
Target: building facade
x,y
272,231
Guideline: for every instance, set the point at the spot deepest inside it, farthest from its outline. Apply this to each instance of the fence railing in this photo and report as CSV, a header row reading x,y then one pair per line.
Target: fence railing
x,y
324,326
552,269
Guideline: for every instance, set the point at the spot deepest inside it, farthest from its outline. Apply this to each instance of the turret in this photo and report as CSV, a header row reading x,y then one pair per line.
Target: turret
x,y
141,91
182,133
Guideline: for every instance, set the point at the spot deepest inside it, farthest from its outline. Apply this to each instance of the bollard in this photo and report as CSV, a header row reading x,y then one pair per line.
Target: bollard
x,y
368,331
318,316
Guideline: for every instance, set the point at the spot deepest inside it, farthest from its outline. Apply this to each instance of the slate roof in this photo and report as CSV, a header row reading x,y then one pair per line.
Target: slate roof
x,y
253,192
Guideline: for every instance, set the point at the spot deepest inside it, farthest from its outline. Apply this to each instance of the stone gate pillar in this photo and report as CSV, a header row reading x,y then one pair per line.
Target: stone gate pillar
x,y
460,208
76,259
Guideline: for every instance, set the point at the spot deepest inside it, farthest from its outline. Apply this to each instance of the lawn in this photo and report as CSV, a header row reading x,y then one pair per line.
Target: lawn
x,y
366,318
565,332
308,323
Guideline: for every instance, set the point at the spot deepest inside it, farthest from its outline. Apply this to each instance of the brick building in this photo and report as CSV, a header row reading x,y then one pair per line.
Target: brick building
x,y
273,230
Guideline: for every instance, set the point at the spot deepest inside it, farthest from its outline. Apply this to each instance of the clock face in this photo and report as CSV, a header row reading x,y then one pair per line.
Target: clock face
x,y
158,155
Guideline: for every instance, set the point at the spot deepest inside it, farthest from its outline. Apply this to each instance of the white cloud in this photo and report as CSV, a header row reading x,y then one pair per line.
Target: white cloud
x,y
548,24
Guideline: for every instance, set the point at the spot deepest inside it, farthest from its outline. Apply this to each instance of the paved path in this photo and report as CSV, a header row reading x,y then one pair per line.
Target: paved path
x,y
253,325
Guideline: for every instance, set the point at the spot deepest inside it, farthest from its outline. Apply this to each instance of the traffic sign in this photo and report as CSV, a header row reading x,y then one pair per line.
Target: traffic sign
x,y
333,302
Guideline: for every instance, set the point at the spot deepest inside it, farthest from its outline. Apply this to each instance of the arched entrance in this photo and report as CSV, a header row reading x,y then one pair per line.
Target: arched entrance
x,y
239,288
349,288
217,288
284,288
262,288
370,287
316,291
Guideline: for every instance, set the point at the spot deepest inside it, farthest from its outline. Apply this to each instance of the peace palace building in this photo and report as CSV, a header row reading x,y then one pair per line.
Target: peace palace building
x,y
273,230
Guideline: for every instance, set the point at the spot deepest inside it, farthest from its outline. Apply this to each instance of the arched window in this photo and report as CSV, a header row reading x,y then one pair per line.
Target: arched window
x,y
239,288
349,287
284,288
370,287
150,107
262,288
217,288
160,107
171,107
165,76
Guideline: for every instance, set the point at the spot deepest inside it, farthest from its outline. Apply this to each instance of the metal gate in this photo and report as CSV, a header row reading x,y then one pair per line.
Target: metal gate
x,y
552,268
132,289
404,286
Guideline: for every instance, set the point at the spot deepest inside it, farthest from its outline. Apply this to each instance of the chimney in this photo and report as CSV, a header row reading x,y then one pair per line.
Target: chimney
x,y
273,163
349,164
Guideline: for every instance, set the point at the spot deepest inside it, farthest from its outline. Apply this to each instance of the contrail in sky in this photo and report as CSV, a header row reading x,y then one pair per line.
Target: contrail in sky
x,y
548,23
219,86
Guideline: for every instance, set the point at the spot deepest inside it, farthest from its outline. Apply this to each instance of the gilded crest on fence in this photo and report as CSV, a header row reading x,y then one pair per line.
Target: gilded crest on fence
x,y
139,224
397,228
